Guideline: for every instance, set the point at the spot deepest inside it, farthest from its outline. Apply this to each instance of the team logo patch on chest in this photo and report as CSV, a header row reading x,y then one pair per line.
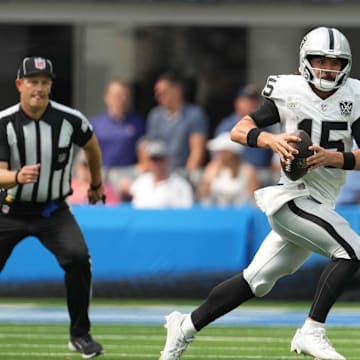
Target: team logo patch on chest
x,y
292,102
62,158
346,107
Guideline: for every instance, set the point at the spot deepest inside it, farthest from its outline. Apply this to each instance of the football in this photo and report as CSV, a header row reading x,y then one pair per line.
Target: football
x,y
297,168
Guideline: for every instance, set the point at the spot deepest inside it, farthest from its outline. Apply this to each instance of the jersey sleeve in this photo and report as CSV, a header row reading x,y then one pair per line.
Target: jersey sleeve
x,y
270,112
83,130
266,114
284,91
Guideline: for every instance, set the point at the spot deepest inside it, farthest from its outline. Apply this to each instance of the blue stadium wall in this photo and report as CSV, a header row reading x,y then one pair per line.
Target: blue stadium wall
x,y
160,252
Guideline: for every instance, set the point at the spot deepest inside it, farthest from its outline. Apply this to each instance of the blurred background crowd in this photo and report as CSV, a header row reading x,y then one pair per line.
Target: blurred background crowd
x,y
169,158
164,82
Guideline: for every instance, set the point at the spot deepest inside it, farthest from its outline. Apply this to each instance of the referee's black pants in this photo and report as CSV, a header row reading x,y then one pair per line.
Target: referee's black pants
x,y
62,236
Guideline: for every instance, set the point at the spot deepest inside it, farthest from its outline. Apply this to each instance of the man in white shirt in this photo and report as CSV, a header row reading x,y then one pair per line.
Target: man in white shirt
x,y
159,188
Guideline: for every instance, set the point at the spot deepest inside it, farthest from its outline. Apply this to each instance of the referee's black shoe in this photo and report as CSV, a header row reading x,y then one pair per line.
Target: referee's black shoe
x,y
85,345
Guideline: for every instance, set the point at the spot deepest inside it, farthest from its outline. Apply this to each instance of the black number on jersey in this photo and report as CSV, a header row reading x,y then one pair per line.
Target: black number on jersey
x,y
326,127
269,87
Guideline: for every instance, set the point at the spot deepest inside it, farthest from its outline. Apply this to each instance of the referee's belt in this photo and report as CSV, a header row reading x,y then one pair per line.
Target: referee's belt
x,y
27,208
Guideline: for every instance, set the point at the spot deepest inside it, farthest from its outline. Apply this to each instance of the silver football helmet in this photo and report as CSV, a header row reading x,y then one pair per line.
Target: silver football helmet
x,y
328,42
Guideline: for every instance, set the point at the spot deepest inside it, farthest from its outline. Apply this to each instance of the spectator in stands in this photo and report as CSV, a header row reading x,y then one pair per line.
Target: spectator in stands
x,y
246,100
142,166
80,183
225,180
118,129
183,126
160,188
262,169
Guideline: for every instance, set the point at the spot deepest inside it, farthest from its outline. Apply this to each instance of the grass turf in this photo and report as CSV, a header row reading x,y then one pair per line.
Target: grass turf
x,y
19,341
139,342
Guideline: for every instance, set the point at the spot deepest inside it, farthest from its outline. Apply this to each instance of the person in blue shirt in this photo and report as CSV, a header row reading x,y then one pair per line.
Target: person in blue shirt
x,y
260,161
183,126
118,129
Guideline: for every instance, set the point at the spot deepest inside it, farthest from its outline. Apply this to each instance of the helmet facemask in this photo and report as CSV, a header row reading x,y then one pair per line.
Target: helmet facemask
x,y
321,84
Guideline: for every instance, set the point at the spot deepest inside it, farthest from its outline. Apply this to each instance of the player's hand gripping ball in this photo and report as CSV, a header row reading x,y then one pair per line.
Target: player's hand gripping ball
x,y
297,168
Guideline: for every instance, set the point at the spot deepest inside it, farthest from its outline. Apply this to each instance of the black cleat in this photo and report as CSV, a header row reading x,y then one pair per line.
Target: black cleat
x,y
85,345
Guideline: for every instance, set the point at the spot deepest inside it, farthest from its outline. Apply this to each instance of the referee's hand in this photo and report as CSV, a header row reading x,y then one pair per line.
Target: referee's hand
x,y
28,174
96,194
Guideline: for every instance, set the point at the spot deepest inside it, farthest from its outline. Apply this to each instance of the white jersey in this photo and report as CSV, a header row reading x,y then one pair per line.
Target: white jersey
x,y
328,122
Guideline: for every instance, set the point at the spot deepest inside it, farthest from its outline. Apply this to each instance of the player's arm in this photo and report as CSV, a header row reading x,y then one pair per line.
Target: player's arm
x,y
344,160
248,131
10,178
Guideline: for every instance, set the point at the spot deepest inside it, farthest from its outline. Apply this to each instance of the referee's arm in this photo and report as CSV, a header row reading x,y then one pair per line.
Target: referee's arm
x,y
26,175
93,156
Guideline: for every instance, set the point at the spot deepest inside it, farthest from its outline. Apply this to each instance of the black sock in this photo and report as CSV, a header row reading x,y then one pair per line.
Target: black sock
x,y
331,284
223,298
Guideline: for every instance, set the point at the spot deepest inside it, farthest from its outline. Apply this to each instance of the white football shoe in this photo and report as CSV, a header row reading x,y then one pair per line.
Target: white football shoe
x,y
314,343
176,343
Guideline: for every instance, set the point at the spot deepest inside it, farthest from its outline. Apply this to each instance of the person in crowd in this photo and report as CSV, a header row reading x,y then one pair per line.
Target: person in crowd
x,y
247,99
225,180
118,130
301,212
159,187
38,137
142,166
263,169
183,126
81,180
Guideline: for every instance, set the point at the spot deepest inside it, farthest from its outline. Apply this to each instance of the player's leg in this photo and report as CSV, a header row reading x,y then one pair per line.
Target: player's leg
x,y
275,258
321,229
63,237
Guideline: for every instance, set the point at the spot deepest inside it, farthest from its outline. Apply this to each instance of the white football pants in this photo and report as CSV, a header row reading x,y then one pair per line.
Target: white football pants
x,y
300,227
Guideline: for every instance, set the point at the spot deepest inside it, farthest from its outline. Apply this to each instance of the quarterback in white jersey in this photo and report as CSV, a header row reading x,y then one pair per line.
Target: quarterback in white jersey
x,y
322,101
329,122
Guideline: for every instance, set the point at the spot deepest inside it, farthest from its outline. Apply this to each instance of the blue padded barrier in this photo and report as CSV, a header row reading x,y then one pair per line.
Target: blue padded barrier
x,y
133,244
126,243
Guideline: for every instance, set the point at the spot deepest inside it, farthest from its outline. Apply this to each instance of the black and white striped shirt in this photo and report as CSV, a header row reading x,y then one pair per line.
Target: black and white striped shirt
x,y
49,141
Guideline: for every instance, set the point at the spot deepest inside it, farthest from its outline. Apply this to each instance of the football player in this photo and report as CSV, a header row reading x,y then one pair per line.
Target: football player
x,y
322,101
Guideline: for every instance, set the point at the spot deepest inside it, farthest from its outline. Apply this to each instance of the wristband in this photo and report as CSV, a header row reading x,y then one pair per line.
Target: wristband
x,y
17,177
252,137
349,160
95,187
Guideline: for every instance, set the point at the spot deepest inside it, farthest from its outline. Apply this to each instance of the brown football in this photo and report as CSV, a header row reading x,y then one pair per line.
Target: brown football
x,y
297,168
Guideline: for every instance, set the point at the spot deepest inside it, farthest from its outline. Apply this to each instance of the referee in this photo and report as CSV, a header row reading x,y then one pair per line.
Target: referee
x,y
37,140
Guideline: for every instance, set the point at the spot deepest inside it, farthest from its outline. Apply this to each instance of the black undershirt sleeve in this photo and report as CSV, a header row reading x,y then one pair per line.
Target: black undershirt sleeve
x,y
355,129
266,114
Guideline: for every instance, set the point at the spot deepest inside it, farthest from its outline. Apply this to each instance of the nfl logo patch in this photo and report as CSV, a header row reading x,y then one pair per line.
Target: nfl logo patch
x,y
346,107
40,63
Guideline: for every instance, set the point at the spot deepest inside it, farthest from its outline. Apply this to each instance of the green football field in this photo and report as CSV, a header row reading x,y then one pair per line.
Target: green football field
x,y
32,341
40,341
